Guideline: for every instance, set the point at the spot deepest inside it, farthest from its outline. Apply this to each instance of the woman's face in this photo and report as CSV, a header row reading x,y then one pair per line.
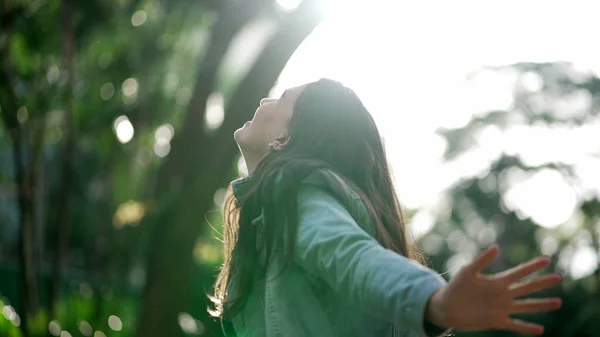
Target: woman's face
x,y
269,125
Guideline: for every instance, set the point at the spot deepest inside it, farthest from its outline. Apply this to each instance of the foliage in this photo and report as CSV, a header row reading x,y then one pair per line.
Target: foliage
x,y
142,217
479,212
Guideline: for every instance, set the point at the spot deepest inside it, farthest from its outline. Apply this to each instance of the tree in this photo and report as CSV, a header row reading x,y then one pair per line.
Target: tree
x,y
190,187
555,95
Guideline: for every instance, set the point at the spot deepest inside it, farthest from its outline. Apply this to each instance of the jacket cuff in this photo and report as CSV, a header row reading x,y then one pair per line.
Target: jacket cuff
x,y
426,329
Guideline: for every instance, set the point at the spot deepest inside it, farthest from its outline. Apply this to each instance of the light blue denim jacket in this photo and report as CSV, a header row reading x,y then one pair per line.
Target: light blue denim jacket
x,y
343,282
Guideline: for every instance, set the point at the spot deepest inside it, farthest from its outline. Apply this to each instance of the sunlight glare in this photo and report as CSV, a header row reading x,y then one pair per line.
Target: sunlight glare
x,y
415,83
544,195
288,5
532,82
421,223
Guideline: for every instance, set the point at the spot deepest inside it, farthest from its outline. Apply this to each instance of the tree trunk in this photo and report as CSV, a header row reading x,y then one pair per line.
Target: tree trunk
x,y
207,167
36,184
28,289
61,251
104,237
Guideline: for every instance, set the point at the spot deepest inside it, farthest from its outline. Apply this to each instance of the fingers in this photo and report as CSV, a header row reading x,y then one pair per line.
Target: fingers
x,y
516,273
540,283
523,327
484,259
534,305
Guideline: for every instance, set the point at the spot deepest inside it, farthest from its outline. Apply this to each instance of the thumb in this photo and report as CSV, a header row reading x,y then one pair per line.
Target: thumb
x,y
484,259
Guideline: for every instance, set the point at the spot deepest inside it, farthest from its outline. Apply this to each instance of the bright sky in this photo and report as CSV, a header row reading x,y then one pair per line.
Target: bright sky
x,y
408,63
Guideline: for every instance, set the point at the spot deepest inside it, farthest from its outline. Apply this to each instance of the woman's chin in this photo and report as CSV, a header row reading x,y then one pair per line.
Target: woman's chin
x,y
241,134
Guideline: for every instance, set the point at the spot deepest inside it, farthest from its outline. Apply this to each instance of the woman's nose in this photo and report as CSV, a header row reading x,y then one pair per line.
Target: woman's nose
x,y
266,100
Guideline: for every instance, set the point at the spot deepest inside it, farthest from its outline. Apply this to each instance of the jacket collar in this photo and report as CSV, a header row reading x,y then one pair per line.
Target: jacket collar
x,y
238,185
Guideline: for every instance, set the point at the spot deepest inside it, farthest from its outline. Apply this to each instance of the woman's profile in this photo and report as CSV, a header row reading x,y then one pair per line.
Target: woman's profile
x,y
316,243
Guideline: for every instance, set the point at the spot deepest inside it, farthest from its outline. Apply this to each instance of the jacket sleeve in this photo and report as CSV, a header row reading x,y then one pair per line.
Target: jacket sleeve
x,y
331,245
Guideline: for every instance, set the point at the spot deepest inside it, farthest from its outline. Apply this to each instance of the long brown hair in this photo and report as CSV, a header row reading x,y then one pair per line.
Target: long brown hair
x,y
330,129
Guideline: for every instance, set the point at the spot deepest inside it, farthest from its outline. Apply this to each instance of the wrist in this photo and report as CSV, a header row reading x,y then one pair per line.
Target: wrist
x,y
434,312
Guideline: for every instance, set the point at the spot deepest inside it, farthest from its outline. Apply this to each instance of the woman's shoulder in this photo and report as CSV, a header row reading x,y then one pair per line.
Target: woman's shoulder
x,y
330,181
330,188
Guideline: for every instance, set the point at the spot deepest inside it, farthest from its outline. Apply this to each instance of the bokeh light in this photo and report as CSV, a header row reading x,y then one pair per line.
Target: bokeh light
x,y
129,213
107,90
53,74
206,252
8,312
584,262
123,129
162,150
189,325
54,328
164,134
129,87
219,197
138,18
22,114
85,328
114,322
86,291
214,111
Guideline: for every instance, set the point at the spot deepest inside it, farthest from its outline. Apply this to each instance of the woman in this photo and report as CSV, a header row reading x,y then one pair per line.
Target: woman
x,y
316,243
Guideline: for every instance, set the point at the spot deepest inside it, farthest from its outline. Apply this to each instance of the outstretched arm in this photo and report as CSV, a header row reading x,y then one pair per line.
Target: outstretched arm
x,y
333,246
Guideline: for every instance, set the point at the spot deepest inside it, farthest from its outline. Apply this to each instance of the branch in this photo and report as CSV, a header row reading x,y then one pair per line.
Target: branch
x,y
64,205
232,18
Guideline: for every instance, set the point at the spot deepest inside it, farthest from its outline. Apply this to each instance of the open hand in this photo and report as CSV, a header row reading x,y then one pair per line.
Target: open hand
x,y
472,301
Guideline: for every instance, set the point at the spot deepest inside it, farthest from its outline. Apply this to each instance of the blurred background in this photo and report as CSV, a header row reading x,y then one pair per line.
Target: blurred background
x,y
116,143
